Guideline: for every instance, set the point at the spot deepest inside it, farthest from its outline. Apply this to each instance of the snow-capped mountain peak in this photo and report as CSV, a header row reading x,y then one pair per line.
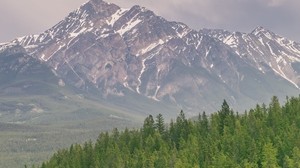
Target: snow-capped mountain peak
x,y
117,51
263,32
259,29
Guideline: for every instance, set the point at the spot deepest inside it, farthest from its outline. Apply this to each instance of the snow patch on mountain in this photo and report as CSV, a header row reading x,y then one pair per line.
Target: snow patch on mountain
x,y
76,33
116,16
131,24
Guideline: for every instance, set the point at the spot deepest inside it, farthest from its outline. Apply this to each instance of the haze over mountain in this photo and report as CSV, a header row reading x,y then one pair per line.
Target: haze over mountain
x,y
117,52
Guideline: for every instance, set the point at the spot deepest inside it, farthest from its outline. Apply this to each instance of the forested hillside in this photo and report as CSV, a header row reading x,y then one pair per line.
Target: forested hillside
x,y
266,136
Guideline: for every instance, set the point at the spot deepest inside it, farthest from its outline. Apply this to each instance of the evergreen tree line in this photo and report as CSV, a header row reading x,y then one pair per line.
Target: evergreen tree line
x,y
263,137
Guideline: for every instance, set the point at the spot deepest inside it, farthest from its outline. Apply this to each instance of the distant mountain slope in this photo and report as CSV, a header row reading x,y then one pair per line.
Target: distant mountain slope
x,y
116,51
264,50
19,68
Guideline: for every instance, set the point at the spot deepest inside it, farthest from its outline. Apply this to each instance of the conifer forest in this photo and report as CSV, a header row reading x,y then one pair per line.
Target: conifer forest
x,y
267,136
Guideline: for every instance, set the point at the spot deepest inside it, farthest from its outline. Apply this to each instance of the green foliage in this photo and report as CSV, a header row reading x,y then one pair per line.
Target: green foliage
x,y
263,137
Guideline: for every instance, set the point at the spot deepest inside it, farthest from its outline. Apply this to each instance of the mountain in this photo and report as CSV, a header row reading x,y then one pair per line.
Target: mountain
x,y
30,90
124,54
104,66
33,93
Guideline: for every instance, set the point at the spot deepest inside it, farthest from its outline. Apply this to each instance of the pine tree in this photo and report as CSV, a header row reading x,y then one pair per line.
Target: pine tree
x,y
159,125
269,154
148,127
224,114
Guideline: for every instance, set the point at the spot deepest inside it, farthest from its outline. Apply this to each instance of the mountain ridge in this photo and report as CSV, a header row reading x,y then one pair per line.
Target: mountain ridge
x,y
270,44
113,49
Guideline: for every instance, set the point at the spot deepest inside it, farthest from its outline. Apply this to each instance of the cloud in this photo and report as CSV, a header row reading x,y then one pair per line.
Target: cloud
x,y
275,3
19,18
280,16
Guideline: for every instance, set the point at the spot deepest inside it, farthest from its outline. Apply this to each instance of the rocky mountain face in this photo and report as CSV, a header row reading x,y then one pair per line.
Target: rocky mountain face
x,y
119,51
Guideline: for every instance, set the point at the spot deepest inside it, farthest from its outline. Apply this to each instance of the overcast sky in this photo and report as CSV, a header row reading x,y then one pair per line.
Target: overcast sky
x,y
24,17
